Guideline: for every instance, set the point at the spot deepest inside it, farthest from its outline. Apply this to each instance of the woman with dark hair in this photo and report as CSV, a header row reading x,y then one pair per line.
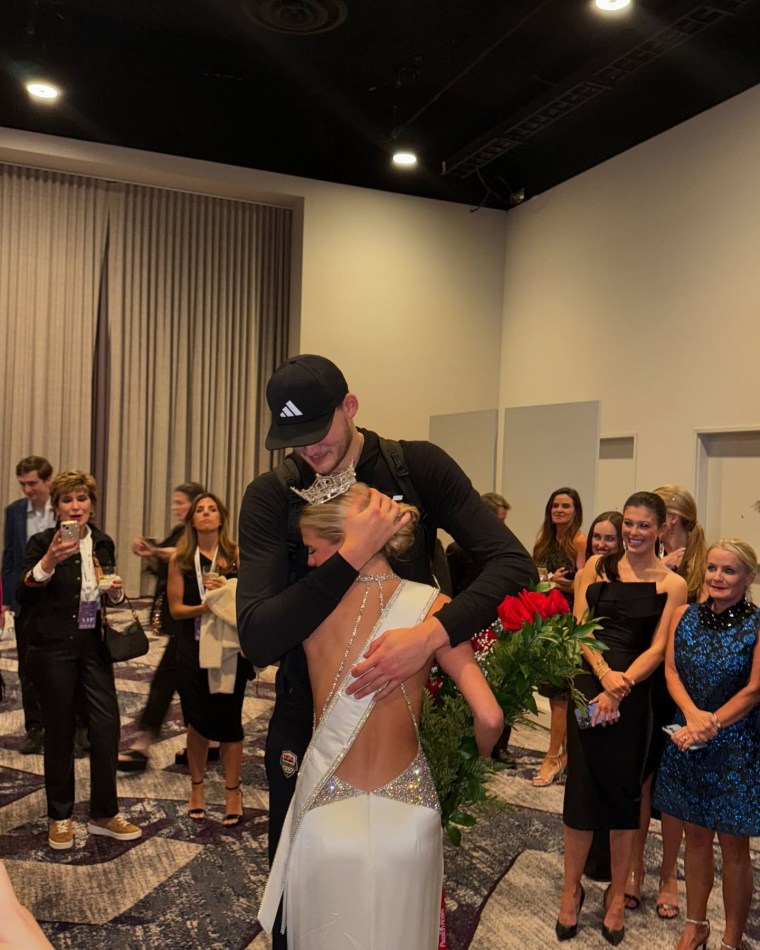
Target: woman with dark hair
x,y
206,562
164,682
360,859
709,773
605,536
634,596
560,549
683,550
67,570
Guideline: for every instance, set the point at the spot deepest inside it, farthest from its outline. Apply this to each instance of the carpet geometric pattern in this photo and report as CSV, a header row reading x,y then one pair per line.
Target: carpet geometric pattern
x,y
187,885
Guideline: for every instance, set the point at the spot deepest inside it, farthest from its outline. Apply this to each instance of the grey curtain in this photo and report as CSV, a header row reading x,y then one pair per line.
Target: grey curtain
x,y
140,327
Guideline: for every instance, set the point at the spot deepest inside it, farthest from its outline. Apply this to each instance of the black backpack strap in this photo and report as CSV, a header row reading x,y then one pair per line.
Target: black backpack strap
x,y
393,455
290,477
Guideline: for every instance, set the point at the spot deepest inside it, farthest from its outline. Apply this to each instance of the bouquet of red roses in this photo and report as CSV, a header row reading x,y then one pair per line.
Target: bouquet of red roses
x,y
534,640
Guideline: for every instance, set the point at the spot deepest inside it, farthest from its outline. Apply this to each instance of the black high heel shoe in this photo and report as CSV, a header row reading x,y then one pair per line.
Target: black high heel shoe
x,y
232,819
568,931
197,814
611,936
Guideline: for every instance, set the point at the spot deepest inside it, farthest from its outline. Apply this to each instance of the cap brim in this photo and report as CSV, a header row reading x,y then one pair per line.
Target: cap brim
x,y
290,435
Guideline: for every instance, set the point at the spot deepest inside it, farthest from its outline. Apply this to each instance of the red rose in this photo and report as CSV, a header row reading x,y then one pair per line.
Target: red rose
x,y
556,602
545,605
534,602
513,613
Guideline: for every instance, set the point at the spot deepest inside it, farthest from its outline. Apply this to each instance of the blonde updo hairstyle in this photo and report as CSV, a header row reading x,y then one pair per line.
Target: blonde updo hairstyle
x,y
743,552
327,520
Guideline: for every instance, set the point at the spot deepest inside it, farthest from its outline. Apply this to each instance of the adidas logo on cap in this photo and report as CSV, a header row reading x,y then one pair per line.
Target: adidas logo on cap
x,y
289,410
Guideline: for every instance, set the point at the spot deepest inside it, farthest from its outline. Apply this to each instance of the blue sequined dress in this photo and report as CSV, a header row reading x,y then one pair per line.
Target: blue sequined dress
x,y
716,787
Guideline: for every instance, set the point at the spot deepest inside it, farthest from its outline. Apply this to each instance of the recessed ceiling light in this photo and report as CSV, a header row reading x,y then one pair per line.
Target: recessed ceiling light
x,y
611,5
43,90
404,158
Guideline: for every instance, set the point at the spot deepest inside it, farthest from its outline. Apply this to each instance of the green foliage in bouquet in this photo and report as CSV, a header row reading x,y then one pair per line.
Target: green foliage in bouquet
x,y
534,641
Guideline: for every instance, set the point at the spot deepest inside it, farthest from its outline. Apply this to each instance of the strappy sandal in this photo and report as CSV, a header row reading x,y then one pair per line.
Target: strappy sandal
x,y
233,819
703,923
727,946
197,814
664,909
543,781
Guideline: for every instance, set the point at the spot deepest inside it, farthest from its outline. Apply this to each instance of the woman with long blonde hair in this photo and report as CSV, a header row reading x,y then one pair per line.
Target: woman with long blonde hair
x,y
360,859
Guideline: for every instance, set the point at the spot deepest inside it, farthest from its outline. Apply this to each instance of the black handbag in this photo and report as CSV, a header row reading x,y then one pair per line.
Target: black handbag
x,y
124,644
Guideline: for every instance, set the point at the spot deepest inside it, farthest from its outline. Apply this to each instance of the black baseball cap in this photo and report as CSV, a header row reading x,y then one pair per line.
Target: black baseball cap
x,y
303,395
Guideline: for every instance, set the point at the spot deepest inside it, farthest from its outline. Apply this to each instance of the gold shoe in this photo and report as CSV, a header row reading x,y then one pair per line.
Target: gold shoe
x,y
541,779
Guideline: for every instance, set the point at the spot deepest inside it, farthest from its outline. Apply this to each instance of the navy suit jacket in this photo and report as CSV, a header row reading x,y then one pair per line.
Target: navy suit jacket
x,y
14,547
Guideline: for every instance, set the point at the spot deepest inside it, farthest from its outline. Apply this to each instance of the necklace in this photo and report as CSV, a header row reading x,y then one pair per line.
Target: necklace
x,y
367,580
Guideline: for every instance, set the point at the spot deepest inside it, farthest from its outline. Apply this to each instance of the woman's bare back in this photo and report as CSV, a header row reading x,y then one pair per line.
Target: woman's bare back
x,y
387,742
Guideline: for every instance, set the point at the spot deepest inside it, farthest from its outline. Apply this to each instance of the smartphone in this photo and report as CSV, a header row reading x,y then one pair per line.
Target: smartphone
x,y
584,716
674,727
69,531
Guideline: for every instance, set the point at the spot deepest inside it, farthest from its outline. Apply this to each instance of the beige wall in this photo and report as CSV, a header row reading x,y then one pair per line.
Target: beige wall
x,y
404,293
638,284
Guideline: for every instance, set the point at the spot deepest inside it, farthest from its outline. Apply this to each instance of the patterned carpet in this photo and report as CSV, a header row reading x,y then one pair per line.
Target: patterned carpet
x,y
187,884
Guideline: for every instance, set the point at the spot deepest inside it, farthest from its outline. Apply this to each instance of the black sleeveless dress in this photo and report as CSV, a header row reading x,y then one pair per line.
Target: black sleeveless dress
x,y
606,764
217,716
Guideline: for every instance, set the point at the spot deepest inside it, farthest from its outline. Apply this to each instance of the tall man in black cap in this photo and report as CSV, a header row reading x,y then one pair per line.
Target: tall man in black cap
x,y
280,602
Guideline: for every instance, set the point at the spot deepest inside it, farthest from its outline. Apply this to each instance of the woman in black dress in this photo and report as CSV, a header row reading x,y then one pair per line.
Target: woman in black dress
x,y
164,682
204,560
636,596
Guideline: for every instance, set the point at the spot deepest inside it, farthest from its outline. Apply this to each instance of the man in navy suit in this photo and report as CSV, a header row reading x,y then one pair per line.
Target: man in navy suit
x,y
23,518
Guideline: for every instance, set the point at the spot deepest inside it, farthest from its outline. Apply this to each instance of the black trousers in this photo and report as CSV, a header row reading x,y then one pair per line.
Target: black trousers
x,y
163,686
287,739
58,670
29,701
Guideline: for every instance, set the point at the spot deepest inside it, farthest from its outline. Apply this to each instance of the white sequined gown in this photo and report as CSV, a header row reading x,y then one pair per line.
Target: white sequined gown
x,y
365,869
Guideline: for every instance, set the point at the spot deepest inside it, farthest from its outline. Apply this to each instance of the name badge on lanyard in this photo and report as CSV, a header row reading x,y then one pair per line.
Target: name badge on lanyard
x,y
88,614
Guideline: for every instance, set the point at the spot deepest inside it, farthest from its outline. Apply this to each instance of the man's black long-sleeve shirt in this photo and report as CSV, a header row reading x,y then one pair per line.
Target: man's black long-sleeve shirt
x,y
280,602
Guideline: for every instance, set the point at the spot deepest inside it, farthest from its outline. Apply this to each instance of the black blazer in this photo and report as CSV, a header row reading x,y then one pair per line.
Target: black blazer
x,y
55,605
14,545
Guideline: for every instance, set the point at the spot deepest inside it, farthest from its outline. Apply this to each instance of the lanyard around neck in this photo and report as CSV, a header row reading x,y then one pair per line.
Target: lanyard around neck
x,y
199,572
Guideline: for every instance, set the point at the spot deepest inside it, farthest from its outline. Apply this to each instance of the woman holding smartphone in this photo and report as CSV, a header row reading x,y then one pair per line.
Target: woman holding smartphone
x,y
66,572
635,596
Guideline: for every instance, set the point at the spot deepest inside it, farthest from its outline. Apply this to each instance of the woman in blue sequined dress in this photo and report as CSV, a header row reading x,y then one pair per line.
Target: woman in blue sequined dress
x,y
712,667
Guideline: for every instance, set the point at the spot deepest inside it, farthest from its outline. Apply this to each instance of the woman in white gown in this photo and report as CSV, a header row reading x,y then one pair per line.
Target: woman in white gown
x,y
360,862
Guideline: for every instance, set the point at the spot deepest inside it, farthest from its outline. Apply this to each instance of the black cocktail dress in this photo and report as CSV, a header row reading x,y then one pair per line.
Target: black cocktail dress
x,y
606,764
